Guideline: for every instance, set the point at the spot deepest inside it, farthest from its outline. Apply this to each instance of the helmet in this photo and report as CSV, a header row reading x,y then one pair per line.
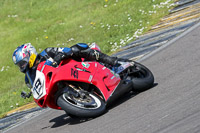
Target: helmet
x,y
24,56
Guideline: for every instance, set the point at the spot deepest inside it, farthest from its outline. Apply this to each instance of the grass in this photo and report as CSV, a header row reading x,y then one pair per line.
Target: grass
x,y
47,23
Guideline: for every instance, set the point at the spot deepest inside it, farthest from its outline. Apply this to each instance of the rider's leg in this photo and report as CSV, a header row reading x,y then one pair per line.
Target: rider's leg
x,y
82,50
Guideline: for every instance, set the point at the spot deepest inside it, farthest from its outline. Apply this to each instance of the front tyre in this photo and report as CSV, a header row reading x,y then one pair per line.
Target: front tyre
x,y
89,105
142,78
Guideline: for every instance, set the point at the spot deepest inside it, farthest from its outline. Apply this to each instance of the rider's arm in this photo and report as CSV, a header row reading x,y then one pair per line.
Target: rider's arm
x,y
23,93
27,82
57,53
53,52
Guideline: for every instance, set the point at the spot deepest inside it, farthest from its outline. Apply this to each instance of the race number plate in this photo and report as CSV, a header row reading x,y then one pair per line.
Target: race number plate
x,y
39,89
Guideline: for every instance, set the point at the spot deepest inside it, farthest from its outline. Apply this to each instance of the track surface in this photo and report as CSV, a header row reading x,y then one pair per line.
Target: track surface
x,y
171,106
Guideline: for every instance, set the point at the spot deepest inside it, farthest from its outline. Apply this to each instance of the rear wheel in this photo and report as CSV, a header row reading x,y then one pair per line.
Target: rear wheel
x,y
81,104
142,77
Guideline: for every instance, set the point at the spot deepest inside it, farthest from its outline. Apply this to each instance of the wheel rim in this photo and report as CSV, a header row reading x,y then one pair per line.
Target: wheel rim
x,y
89,101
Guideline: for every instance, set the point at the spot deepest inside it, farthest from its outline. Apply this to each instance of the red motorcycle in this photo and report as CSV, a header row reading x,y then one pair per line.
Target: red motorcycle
x,y
84,89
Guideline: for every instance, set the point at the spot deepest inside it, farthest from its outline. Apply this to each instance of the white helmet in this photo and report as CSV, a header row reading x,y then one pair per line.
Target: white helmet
x,y
24,56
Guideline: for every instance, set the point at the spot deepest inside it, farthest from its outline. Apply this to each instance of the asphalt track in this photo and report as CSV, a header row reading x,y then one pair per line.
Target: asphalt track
x,y
172,106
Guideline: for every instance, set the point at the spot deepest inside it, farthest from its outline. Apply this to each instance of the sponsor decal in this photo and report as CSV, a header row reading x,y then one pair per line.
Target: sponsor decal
x,y
86,65
112,77
90,78
104,68
74,73
32,60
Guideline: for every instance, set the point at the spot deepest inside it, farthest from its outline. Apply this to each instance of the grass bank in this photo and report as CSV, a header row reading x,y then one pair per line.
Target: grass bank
x,y
49,23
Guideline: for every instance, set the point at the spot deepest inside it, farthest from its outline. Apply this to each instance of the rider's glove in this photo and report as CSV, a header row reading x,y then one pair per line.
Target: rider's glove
x,y
58,58
25,95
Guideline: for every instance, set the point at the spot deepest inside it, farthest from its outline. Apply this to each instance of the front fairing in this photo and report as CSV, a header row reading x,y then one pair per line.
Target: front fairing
x,y
92,73
88,72
106,80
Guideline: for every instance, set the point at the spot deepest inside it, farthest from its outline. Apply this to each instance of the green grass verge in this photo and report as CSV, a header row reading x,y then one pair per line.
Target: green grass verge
x,y
49,23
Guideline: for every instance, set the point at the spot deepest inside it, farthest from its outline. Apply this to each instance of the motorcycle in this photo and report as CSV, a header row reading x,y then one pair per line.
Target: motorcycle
x,y
85,89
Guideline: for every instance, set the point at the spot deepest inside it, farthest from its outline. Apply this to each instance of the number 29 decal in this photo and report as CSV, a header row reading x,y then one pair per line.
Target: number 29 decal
x,y
37,86
39,89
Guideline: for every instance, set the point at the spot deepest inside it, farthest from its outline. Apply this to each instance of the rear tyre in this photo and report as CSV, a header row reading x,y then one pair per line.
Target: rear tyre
x,y
88,106
142,78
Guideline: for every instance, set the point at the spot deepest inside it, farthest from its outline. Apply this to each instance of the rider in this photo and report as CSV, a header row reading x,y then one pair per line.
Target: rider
x,y
27,59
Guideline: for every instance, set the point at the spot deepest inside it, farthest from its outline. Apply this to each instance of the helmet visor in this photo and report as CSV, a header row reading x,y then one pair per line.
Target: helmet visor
x,y
22,65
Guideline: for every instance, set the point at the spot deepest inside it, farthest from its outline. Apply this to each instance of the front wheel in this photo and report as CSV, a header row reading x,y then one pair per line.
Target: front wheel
x,y
85,105
142,77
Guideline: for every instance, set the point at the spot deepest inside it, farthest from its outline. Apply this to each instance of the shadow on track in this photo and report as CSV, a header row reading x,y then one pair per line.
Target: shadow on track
x,y
67,120
126,97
